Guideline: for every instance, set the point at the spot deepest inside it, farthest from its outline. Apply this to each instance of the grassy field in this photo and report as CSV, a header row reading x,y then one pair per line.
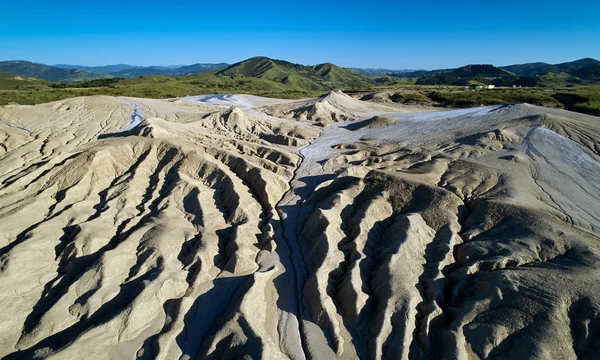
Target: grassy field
x,y
583,98
459,98
15,82
153,87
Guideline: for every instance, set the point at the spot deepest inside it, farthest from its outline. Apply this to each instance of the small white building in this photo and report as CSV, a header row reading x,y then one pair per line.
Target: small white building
x,y
491,86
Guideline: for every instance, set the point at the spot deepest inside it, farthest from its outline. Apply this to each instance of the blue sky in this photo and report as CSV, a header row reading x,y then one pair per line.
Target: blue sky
x,y
385,34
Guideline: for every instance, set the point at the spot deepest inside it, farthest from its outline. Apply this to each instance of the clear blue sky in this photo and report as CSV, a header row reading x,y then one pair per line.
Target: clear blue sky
x,y
387,34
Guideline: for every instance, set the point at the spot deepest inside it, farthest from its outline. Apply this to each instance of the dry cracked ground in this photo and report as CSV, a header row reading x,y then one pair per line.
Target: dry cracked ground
x,y
234,227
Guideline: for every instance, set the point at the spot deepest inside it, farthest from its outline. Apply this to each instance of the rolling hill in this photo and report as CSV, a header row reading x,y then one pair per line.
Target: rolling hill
x,y
10,81
381,72
141,71
530,74
589,73
320,77
465,75
26,68
197,68
577,64
476,71
258,76
281,79
531,68
131,71
543,68
554,75
105,69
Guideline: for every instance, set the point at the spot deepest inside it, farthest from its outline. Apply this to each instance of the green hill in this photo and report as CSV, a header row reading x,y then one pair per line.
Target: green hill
x,y
577,64
104,69
178,71
480,71
539,68
275,78
529,75
155,87
10,81
588,73
531,68
465,75
197,68
52,73
137,72
259,76
320,77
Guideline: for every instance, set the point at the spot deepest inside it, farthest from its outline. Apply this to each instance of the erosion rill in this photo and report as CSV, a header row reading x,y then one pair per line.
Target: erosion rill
x,y
243,227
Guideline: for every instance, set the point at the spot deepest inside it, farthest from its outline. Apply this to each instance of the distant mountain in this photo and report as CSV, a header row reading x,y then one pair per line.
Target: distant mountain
x,y
420,73
588,73
131,71
320,77
198,68
167,66
142,71
531,68
554,75
381,72
106,69
480,71
544,68
577,64
52,73
530,74
465,75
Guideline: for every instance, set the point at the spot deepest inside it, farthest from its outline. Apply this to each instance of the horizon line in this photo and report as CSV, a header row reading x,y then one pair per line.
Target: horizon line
x,y
272,58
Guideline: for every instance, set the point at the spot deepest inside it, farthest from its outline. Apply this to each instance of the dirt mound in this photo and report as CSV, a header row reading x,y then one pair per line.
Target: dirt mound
x,y
374,122
333,107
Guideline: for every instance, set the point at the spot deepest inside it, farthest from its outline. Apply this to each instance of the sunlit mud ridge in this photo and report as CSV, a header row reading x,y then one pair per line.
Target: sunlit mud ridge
x,y
242,227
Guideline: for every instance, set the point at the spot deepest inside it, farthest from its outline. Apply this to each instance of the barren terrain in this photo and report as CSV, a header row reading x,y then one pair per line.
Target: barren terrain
x,y
235,226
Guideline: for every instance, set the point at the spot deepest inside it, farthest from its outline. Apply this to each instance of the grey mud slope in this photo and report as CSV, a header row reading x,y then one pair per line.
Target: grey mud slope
x,y
457,164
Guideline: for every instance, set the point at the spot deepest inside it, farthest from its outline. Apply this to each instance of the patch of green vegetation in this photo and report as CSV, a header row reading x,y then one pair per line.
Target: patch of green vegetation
x,y
483,74
584,99
555,80
531,68
583,71
86,84
322,77
156,87
286,81
493,97
15,82
409,97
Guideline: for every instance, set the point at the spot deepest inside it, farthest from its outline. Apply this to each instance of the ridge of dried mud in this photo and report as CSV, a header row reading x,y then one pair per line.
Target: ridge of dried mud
x,y
231,226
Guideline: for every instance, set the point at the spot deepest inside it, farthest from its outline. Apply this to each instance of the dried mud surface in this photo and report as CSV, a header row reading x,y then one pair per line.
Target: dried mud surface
x,y
232,226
